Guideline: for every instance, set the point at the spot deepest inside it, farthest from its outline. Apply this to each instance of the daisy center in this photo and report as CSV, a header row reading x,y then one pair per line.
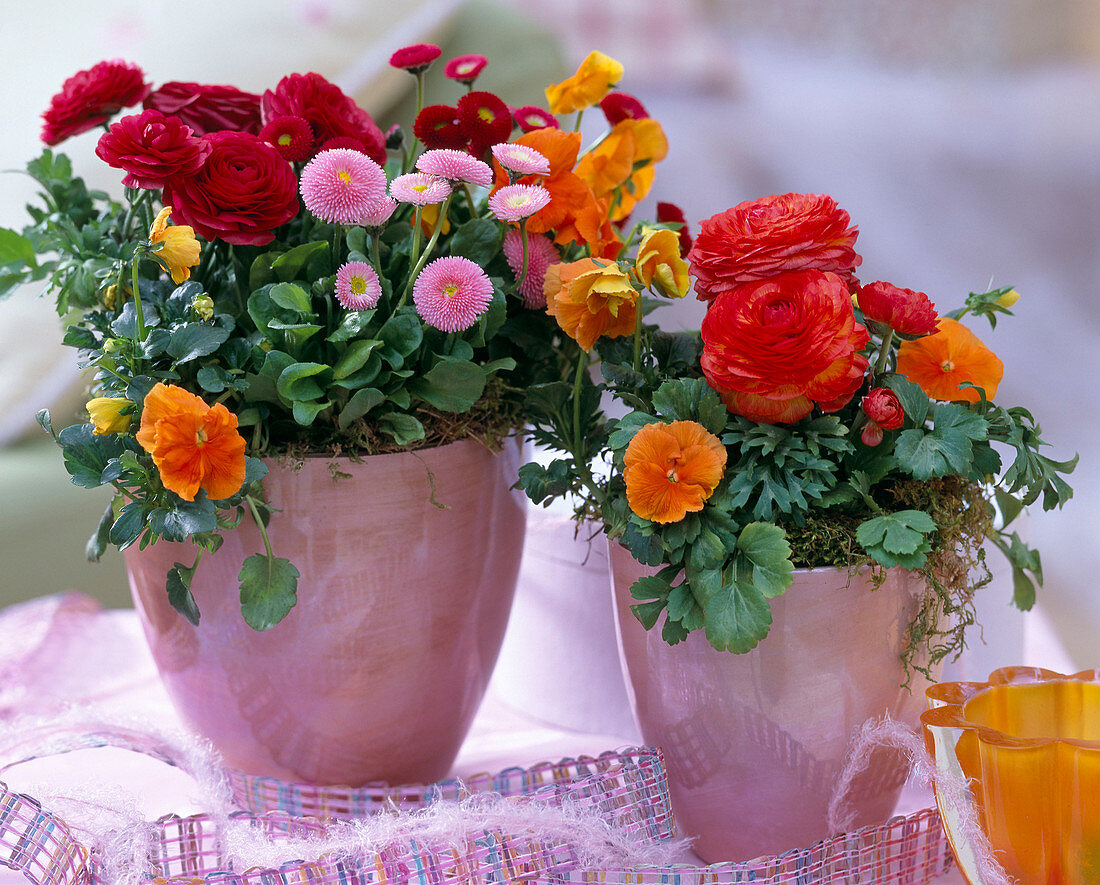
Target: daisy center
x,y
285,139
344,176
947,366
357,285
450,291
420,188
485,114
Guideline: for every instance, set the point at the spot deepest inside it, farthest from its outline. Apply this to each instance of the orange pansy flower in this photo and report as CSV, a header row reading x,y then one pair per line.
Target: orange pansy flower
x,y
659,265
590,299
672,469
940,362
193,445
620,168
593,80
573,214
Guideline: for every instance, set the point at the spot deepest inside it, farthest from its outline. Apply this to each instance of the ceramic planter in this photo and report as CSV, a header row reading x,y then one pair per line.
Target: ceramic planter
x,y
755,742
408,567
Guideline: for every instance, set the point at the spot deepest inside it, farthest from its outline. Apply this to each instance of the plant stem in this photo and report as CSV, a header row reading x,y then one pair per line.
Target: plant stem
x,y
427,249
582,366
259,524
637,337
577,125
884,353
137,296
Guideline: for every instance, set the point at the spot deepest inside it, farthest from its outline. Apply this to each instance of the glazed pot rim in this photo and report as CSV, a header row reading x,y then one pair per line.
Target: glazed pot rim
x,y
354,459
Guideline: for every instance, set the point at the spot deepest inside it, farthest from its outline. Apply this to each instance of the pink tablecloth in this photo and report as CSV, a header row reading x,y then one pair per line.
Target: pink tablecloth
x,y
99,661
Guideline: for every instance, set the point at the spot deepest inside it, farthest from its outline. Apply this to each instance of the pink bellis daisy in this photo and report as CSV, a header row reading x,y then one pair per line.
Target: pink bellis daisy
x,y
451,293
291,136
415,58
529,118
541,253
521,159
465,68
379,213
340,186
420,189
515,202
455,166
357,286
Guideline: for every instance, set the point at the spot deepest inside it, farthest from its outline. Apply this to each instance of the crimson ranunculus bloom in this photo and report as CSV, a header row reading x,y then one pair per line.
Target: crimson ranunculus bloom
x,y
89,98
151,148
242,193
207,107
326,108
774,348
882,406
773,235
903,310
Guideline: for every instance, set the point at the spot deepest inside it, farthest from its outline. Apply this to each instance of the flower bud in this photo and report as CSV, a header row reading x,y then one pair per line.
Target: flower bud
x,y
110,414
882,406
112,345
110,297
203,305
1008,298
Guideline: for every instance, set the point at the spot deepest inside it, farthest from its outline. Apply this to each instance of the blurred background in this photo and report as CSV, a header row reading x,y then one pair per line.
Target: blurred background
x,y
962,136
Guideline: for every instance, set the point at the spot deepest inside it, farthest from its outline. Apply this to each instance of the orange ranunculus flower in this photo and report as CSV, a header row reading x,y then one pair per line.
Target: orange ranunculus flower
x,y
179,251
626,155
573,214
193,445
593,80
775,348
590,299
659,264
940,362
672,469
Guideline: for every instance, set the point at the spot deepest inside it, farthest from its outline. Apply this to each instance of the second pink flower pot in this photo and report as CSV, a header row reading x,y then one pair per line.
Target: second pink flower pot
x,y
408,567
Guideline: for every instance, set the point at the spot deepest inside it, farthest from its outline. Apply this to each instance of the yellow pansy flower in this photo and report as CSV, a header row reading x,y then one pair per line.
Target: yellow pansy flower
x,y
179,250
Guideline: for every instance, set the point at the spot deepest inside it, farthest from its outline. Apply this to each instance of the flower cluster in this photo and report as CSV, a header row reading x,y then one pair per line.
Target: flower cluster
x,y
282,275
812,421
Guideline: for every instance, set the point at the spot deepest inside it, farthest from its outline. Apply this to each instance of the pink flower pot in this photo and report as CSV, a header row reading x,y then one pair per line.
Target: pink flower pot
x,y
755,743
408,566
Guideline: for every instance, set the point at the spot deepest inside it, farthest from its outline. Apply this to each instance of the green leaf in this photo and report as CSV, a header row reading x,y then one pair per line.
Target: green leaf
x,y
354,358
897,538
402,332
914,401
183,519
125,326
193,340
707,551
626,427
451,385
299,382
97,543
737,617
403,428
305,413
540,483
647,613
312,258
650,587
1009,505
128,526
647,548
212,379
87,453
479,240
269,586
351,326
361,402
15,249
42,416
683,607
765,546
179,591
689,400
291,297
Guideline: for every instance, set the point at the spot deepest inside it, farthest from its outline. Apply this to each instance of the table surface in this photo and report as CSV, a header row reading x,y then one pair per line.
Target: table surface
x,y
121,679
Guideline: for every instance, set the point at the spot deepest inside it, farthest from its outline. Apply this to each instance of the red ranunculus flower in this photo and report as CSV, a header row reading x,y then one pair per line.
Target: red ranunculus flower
x,y
761,238
208,107
242,193
882,406
774,348
618,106
903,310
151,148
326,108
89,98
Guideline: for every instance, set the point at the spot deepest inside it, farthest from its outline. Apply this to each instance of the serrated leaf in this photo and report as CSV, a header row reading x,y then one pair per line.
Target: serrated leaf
x,y
184,519
737,617
897,538
125,326
648,612
15,249
914,401
269,590
127,527
765,546
683,607
646,548
87,453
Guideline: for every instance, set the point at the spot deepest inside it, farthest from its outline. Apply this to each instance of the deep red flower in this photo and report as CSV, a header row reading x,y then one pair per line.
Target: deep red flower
x,y
151,147
242,193
437,127
529,118
89,98
465,68
208,108
774,348
343,141
618,106
903,310
326,108
670,212
485,120
758,239
292,137
883,407
415,58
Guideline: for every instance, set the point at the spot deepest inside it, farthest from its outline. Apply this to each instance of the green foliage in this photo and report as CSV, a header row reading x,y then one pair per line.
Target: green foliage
x,y
269,590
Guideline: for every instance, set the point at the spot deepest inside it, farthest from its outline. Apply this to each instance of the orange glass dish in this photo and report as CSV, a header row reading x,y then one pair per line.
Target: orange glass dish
x,y
1028,740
